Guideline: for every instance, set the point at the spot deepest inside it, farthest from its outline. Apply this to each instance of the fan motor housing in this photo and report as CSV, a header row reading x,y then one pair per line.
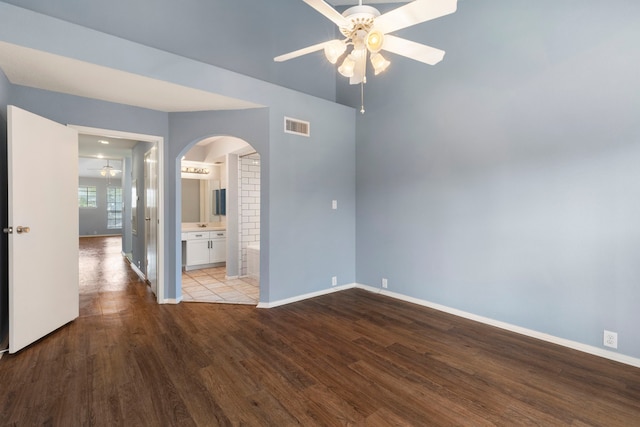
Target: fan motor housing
x,y
361,17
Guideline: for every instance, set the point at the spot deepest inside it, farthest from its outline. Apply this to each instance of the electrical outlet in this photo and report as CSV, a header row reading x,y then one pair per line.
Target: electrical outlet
x,y
334,281
610,339
334,204
385,283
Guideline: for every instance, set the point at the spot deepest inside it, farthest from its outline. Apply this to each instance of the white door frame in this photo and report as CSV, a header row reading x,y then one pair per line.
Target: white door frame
x,y
159,142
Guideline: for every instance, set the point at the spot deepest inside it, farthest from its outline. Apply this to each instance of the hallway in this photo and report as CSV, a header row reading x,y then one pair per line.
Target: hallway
x,y
105,276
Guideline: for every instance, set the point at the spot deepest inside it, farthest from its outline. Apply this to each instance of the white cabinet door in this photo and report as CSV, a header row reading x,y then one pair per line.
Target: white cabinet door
x,y
218,250
198,252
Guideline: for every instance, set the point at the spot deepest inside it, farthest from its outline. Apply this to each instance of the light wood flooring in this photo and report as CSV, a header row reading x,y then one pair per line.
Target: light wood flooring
x,y
212,285
348,358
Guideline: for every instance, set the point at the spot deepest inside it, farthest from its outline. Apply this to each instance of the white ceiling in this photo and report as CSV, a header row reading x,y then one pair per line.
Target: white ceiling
x,y
43,70
91,146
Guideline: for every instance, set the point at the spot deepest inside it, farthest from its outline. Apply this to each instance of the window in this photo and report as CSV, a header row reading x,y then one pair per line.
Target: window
x,y
114,207
87,197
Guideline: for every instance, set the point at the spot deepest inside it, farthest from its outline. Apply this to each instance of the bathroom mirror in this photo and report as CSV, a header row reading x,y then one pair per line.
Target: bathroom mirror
x,y
191,200
219,204
199,201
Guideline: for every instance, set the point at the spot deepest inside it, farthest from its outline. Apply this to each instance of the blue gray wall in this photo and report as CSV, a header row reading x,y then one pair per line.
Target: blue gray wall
x,y
504,181
304,243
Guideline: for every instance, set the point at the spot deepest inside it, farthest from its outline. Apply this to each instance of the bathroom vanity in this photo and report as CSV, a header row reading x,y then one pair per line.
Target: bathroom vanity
x,y
204,234
204,247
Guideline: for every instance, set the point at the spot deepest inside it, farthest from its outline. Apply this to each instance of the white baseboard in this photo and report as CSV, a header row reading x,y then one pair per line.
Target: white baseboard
x,y
171,300
607,354
285,301
138,271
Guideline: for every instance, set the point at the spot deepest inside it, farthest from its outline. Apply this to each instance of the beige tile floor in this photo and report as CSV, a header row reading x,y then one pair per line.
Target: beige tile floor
x,y
211,285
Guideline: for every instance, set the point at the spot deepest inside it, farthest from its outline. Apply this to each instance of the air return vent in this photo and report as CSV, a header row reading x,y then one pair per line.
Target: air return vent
x,y
297,127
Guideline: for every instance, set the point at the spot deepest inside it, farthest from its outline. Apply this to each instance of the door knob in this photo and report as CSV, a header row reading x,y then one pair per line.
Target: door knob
x,y
8,230
20,229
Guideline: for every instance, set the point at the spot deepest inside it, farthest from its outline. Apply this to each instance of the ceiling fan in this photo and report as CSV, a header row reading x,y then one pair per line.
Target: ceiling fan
x,y
108,170
367,30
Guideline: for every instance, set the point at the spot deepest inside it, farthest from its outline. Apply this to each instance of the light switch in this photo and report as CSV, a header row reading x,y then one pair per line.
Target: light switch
x,y
334,204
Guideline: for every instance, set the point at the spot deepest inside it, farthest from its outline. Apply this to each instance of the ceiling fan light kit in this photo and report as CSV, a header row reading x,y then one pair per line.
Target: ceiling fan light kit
x,y
367,30
111,172
379,63
108,171
334,50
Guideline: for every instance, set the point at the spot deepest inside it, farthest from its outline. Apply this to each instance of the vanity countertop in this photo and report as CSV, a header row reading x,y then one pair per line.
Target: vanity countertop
x,y
207,228
194,226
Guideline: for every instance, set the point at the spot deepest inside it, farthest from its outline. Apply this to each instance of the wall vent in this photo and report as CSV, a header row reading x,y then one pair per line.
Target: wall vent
x,y
296,127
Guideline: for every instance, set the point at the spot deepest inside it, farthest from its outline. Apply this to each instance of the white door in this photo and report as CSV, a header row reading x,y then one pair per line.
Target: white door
x,y
43,213
151,217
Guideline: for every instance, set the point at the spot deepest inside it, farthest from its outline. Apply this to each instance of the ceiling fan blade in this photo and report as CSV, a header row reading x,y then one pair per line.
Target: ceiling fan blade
x,y
301,52
419,52
329,12
414,13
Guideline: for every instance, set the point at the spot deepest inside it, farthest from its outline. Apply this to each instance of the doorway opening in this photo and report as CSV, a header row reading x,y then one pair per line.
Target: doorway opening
x,y
133,195
221,248
104,171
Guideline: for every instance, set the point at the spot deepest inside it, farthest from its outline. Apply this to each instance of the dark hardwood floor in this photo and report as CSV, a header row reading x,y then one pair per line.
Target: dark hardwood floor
x,y
350,358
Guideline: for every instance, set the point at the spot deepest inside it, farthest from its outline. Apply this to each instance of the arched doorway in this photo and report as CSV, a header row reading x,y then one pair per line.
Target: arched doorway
x,y
220,211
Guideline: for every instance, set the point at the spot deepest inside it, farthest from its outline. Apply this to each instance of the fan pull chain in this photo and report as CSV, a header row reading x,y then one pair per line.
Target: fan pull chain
x,y
362,97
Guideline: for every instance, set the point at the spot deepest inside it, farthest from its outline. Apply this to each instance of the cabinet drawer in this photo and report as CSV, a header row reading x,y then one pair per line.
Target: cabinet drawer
x,y
197,235
218,234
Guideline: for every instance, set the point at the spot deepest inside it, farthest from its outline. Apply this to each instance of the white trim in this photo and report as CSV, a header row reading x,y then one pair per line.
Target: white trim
x,y
159,142
160,274
172,300
137,271
331,290
108,133
611,355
